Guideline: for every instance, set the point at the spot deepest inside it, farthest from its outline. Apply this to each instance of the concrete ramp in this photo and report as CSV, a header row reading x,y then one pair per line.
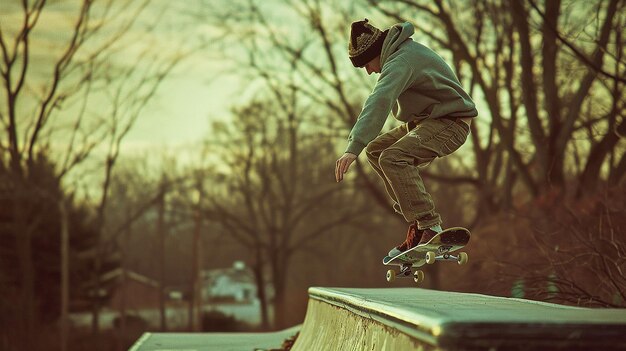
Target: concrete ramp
x,y
419,319
212,341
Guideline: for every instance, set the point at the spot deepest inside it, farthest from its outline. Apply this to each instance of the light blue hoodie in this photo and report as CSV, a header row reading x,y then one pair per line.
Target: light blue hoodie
x,y
415,82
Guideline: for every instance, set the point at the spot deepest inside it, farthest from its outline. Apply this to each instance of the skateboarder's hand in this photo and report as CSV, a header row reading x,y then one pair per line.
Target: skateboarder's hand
x,y
342,165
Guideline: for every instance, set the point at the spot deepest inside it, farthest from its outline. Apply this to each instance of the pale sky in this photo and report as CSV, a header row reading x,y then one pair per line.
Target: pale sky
x,y
198,90
186,101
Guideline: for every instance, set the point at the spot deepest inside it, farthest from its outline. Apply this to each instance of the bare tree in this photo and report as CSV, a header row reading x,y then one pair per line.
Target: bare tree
x,y
87,70
275,184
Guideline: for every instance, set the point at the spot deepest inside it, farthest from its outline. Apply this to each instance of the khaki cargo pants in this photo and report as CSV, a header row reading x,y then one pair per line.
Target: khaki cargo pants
x,y
397,155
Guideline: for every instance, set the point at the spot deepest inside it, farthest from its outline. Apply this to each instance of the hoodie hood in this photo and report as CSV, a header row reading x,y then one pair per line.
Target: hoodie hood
x,y
398,34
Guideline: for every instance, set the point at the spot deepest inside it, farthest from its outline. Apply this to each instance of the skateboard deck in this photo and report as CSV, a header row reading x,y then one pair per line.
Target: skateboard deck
x,y
437,249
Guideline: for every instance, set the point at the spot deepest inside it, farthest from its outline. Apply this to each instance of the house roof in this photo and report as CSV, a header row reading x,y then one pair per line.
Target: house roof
x,y
117,274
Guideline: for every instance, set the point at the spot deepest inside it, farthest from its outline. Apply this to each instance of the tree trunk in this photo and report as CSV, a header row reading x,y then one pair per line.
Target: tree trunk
x,y
597,156
618,173
279,270
279,306
27,270
259,280
577,100
529,87
198,274
123,296
65,274
161,234
95,306
26,267
195,307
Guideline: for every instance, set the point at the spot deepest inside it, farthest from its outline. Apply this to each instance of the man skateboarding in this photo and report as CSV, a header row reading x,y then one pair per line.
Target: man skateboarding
x,y
423,92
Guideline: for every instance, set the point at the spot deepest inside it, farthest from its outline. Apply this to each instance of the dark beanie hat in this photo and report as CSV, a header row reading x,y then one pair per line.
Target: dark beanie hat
x,y
366,42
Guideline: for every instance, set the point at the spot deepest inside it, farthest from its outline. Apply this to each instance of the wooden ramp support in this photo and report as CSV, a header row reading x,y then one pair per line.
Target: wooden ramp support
x,y
419,319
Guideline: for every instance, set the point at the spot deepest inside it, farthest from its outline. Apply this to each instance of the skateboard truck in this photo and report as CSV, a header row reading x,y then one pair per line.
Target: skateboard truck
x,y
431,257
405,272
418,275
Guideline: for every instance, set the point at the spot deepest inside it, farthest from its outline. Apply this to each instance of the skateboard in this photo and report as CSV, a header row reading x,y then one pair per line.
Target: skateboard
x,y
437,249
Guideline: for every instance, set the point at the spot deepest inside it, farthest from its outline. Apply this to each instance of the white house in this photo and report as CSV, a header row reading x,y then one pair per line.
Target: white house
x,y
229,285
233,291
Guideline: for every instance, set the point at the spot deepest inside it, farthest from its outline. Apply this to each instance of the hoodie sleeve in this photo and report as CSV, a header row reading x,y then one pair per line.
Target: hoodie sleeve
x,y
395,77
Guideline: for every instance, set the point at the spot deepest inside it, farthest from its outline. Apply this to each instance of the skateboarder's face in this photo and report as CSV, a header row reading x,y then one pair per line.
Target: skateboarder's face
x,y
373,66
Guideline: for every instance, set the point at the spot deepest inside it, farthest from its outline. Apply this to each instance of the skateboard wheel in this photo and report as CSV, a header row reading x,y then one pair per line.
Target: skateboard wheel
x,y
462,258
430,257
418,276
391,275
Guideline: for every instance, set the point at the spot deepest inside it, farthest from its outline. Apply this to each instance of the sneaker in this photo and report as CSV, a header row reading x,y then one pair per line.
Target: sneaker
x,y
427,236
413,236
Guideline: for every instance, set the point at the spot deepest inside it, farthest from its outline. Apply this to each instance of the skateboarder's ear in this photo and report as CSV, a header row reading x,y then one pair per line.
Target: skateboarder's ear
x,y
366,42
373,66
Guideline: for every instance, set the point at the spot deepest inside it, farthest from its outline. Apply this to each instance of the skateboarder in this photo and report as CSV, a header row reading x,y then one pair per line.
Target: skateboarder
x,y
423,92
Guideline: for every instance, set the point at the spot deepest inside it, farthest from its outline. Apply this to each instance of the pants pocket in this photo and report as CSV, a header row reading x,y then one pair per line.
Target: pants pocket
x,y
456,139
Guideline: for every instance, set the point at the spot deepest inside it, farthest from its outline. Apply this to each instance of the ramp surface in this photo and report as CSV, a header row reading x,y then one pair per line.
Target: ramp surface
x,y
212,341
410,318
